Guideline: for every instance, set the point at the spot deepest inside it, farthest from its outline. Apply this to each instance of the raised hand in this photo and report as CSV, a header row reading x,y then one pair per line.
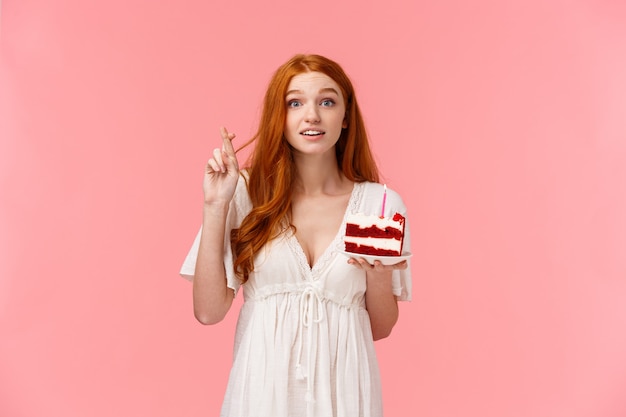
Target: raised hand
x,y
221,172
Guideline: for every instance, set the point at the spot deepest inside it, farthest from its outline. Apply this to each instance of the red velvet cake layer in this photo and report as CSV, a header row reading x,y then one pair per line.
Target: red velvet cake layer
x,y
369,250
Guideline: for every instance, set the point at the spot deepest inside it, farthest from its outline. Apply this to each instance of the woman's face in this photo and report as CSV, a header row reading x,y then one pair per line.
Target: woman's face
x,y
315,113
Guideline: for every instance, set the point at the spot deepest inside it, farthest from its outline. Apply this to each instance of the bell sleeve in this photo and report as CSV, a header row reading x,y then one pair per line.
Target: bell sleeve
x,y
401,278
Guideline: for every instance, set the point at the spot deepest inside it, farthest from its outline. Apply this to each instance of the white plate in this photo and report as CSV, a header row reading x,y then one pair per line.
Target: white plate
x,y
385,260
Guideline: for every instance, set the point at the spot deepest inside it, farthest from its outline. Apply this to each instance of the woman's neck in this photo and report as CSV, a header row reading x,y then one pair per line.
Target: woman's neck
x,y
318,175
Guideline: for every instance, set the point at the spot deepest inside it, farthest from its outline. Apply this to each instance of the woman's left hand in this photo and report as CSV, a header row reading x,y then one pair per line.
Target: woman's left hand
x,y
377,265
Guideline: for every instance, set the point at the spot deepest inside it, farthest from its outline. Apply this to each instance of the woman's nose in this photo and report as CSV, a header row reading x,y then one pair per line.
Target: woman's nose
x,y
312,114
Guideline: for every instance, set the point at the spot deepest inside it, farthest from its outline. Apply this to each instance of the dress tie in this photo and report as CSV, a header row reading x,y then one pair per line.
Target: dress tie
x,y
311,312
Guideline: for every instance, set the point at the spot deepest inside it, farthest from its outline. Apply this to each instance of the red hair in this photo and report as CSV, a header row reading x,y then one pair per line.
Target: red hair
x,y
271,168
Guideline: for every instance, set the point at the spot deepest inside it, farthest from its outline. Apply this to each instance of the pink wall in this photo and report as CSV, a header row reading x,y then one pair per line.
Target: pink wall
x,y
502,124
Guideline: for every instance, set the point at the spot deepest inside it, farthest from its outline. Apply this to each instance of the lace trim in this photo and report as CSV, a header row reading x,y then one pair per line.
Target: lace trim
x,y
335,245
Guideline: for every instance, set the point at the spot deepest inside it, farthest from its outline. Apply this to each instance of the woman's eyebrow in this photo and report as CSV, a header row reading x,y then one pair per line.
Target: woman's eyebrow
x,y
329,90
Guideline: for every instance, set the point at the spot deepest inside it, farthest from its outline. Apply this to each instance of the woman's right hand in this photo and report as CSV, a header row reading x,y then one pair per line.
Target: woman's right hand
x,y
221,172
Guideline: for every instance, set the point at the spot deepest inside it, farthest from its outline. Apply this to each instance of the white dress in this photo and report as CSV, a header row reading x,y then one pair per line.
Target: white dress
x,y
303,344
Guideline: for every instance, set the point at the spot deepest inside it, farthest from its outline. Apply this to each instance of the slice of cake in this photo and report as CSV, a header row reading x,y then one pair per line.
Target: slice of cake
x,y
374,235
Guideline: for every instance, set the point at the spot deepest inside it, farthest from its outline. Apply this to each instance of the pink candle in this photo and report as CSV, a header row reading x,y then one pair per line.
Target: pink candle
x,y
382,212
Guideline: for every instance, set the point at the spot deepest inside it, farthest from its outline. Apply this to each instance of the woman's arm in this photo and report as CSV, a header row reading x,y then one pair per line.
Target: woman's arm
x,y
211,296
381,303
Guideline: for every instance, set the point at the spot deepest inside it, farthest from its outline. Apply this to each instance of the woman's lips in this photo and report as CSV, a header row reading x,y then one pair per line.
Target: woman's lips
x,y
312,132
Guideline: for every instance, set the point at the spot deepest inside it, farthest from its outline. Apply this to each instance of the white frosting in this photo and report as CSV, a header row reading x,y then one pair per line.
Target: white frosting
x,y
364,220
378,243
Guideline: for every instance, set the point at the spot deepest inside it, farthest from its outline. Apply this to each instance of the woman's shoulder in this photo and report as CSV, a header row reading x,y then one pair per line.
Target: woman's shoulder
x,y
375,188
373,194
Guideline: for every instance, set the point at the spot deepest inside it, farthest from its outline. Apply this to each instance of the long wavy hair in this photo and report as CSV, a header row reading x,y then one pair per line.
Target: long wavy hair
x,y
271,167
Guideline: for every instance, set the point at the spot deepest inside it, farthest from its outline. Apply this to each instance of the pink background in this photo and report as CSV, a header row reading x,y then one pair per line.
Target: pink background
x,y
501,123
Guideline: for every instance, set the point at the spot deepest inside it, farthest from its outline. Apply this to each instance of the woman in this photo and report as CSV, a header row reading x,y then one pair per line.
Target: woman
x,y
304,341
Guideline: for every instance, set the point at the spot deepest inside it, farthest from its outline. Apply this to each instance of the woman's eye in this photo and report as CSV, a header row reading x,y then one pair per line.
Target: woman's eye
x,y
328,102
293,103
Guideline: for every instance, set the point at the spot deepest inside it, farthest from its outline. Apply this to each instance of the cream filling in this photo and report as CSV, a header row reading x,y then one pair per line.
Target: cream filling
x,y
376,242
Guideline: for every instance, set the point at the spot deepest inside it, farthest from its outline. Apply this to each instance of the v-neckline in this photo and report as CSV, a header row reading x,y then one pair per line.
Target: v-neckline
x,y
294,243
